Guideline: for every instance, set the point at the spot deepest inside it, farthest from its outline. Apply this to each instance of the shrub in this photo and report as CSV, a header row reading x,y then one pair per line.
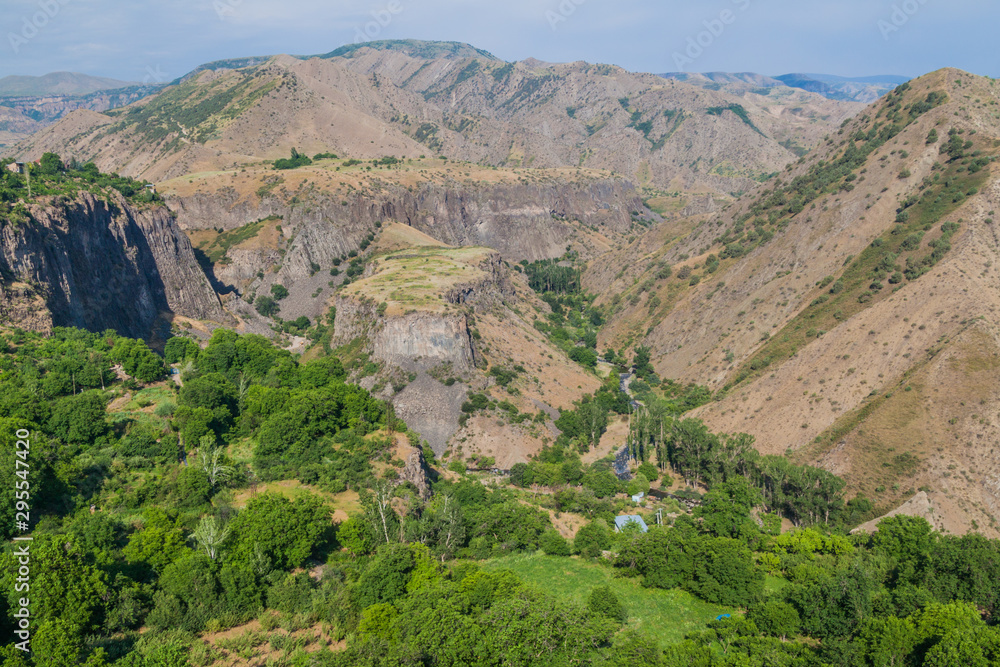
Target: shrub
x,y
603,601
554,544
649,471
592,539
266,306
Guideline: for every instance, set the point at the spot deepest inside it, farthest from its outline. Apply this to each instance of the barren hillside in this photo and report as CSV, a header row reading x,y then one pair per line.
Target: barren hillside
x,y
855,284
371,102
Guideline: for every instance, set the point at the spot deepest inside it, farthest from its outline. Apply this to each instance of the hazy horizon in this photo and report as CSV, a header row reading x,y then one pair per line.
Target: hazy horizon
x,y
133,42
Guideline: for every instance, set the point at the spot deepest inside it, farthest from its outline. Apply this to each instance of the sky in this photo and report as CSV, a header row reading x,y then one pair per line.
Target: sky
x,y
160,40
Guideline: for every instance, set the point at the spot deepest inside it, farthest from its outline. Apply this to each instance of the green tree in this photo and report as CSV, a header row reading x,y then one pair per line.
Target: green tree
x,y
509,526
193,486
286,532
966,647
907,540
58,643
592,539
80,420
726,510
385,579
24,470
887,642
179,349
266,306
638,484
584,356
775,618
602,482
649,471
159,542
65,587
50,164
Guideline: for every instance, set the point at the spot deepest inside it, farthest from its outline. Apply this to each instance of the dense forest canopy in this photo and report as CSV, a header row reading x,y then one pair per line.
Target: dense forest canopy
x,y
153,535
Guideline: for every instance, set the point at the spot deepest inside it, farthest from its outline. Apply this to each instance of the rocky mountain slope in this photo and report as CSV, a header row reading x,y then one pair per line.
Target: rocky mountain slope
x,y
100,263
258,228
830,273
848,308
462,103
434,318
31,110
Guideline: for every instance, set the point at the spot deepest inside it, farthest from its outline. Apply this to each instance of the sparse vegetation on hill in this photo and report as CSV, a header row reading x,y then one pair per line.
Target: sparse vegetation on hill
x,y
294,162
902,254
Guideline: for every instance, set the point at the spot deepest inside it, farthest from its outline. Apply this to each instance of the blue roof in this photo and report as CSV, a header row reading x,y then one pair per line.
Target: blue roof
x,y
622,521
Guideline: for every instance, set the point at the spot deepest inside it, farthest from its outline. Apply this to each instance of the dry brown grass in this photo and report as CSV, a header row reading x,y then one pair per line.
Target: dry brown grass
x,y
418,278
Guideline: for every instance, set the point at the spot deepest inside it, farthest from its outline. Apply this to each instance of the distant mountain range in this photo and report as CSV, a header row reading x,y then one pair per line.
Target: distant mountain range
x,y
408,98
864,89
57,83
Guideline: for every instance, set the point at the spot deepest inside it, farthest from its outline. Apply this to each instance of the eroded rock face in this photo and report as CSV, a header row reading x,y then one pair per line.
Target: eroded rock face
x,y
414,342
21,304
419,340
106,265
415,472
518,220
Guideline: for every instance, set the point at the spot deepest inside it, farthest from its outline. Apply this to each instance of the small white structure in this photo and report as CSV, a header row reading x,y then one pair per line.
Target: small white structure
x,y
637,498
622,521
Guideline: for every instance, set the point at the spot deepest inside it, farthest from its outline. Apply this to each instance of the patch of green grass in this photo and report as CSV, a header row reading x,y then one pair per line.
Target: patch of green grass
x,y
666,615
220,247
774,584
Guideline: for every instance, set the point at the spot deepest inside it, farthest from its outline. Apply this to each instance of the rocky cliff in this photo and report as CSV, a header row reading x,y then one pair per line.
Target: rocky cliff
x,y
102,264
310,231
414,341
518,220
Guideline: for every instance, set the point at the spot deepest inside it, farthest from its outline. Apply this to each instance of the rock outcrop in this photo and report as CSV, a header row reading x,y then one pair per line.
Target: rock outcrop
x,y
420,339
432,409
518,220
21,304
415,472
416,341
104,264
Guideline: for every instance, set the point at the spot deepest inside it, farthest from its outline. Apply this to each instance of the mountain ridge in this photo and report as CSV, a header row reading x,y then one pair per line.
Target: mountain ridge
x,y
57,83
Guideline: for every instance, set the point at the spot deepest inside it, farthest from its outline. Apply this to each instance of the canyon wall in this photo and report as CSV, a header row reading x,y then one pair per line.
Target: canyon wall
x,y
103,264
